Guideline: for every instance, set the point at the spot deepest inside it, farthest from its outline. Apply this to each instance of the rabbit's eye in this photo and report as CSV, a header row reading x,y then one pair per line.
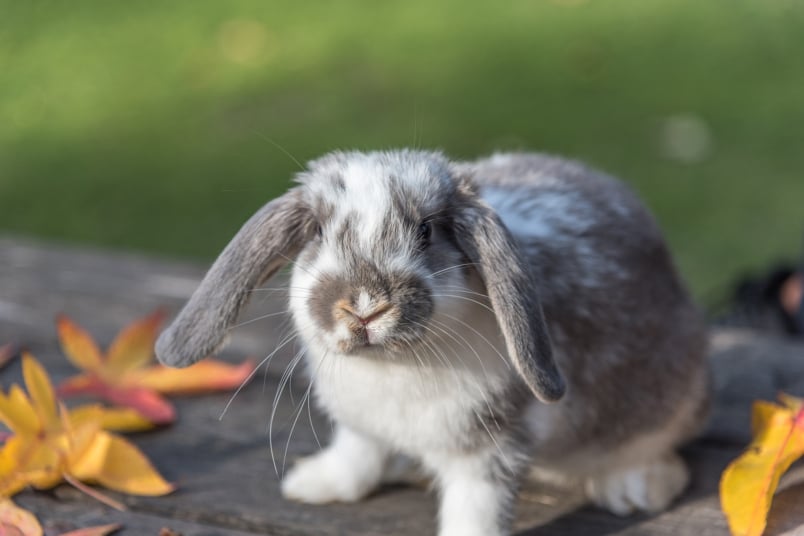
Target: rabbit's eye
x,y
424,232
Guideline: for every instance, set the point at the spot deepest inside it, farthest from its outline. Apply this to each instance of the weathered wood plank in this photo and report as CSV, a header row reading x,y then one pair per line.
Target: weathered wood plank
x,y
228,484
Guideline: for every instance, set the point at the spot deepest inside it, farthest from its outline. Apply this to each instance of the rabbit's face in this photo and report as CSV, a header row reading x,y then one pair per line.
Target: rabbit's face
x,y
382,243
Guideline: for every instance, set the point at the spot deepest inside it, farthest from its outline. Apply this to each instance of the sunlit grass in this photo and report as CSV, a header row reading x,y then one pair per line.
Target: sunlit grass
x,y
147,125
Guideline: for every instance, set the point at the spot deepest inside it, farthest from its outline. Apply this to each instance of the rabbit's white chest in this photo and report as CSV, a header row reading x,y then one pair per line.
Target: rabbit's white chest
x,y
412,409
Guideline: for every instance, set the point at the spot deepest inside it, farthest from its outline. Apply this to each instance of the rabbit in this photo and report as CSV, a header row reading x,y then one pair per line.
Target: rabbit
x,y
517,314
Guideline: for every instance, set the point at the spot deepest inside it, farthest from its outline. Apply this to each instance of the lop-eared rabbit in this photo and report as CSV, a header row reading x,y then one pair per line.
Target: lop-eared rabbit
x,y
517,314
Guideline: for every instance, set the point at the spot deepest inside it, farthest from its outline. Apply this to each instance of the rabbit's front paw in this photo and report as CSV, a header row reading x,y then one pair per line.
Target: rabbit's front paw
x,y
320,479
649,487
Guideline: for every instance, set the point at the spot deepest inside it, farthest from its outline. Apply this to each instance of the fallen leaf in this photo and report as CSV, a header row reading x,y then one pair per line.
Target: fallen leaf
x,y
202,377
117,464
15,521
126,376
50,444
115,419
749,482
100,530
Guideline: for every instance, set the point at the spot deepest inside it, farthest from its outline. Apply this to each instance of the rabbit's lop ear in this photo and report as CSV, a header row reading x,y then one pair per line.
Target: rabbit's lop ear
x,y
512,290
265,243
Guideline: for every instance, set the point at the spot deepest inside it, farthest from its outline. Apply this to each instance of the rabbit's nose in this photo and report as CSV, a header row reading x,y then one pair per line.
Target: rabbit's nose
x,y
365,318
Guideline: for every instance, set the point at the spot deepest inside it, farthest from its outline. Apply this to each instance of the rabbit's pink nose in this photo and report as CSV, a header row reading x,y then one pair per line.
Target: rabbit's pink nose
x,y
365,319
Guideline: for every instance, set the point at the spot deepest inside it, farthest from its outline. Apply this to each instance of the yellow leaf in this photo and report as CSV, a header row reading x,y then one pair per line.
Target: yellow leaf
x,y
17,413
10,480
78,345
117,464
41,391
14,521
204,376
114,419
749,482
72,446
31,464
134,346
761,415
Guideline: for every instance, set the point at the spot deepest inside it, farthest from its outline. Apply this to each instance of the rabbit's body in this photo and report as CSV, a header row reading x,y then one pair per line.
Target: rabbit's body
x,y
420,313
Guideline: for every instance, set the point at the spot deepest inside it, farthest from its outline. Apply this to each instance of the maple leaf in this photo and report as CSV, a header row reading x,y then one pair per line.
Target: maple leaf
x,y
49,444
749,482
126,376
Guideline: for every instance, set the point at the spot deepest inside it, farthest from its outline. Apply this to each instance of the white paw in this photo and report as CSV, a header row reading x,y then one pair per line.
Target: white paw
x,y
322,478
649,487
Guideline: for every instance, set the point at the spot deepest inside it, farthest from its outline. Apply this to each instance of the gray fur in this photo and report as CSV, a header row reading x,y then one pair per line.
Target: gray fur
x,y
629,340
262,246
512,291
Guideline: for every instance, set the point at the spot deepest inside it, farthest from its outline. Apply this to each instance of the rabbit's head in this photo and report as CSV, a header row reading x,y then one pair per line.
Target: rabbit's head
x,y
378,240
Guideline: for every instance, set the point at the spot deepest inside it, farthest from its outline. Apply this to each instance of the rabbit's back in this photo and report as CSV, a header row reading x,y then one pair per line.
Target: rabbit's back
x,y
626,332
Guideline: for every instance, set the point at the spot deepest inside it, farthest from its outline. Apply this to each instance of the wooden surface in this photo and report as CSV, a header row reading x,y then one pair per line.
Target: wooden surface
x,y
224,467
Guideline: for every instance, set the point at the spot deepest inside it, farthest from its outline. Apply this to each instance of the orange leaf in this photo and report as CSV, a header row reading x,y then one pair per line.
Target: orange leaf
x,y
122,377
78,345
205,376
101,530
134,346
79,384
117,464
14,521
749,482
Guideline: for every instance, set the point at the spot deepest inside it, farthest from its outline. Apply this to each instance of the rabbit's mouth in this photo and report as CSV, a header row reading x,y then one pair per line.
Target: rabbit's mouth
x,y
366,342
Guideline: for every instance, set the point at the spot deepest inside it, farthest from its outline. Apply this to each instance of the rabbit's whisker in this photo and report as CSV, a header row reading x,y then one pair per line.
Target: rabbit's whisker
x,y
457,297
286,375
462,290
265,361
447,329
261,317
280,147
295,420
454,267
476,332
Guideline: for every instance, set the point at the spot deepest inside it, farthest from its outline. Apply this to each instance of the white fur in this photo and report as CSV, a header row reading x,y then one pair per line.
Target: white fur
x,y
346,471
649,486
470,502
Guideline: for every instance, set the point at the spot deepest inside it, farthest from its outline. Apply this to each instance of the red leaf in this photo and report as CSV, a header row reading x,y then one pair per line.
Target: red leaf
x,y
148,403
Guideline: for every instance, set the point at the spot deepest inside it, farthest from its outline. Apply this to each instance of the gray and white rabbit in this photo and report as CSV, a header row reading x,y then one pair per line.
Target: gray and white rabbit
x,y
486,319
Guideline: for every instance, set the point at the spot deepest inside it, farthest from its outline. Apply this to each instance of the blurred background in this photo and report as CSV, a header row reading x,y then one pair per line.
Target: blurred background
x,y
161,126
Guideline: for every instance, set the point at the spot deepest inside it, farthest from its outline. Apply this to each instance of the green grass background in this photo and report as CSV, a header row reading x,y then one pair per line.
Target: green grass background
x,y
161,126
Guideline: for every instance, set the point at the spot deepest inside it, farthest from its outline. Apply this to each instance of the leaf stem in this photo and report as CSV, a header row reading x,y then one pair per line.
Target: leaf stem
x,y
95,494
